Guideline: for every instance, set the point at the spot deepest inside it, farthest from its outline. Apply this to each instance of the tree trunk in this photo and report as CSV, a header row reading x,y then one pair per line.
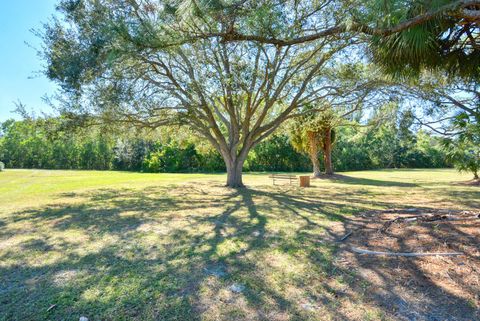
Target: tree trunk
x,y
234,172
314,154
475,175
327,152
316,165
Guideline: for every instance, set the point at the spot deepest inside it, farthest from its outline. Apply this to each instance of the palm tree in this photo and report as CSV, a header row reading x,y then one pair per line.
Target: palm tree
x,y
448,42
313,133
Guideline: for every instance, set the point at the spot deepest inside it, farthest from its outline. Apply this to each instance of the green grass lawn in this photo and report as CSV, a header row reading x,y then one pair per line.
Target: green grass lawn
x,y
133,246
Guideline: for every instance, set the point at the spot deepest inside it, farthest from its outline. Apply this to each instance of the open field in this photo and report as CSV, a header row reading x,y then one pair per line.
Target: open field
x,y
133,246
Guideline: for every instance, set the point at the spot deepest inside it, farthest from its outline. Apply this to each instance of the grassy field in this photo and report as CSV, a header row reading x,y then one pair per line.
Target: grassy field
x,y
133,246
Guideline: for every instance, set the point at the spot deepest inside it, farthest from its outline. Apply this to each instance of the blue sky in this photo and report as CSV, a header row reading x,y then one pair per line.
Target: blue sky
x,y
18,61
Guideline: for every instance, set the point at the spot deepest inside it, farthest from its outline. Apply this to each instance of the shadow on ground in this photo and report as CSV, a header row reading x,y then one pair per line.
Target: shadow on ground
x,y
350,180
196,252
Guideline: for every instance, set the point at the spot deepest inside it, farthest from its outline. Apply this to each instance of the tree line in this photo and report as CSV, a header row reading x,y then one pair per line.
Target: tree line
x,y
31,143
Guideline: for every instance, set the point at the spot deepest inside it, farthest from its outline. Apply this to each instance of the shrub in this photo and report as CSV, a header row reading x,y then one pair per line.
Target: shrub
x,y
172,159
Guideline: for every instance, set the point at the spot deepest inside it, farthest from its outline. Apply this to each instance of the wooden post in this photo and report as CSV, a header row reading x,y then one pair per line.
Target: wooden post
x,y
304,181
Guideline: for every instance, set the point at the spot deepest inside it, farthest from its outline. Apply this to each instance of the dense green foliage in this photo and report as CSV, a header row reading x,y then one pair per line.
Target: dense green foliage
x,y
28,144
440,41
314,132
465,155
463,149
385,147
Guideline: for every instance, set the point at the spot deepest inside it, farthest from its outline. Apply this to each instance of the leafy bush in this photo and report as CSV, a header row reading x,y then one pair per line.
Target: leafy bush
x,y
465,155
211,161
172,158
27,144
276,154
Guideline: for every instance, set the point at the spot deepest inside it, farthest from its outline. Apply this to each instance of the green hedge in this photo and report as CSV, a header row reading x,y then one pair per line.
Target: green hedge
x,y
28,144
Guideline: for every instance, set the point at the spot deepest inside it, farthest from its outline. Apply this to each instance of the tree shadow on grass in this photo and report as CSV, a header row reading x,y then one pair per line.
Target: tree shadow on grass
x,y
173,253
469,196
349,180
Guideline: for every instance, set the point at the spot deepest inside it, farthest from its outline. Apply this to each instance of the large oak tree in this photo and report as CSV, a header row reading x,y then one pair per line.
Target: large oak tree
x,y
141,62
233,71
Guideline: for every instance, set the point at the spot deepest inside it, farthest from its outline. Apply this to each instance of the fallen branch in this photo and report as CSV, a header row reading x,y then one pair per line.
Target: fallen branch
x,y
427,218
411,254
51,307
346,236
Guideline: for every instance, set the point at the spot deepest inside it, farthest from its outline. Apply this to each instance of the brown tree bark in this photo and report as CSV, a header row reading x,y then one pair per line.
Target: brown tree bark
x,y
234,173
316,165
327,152
234,161
313,144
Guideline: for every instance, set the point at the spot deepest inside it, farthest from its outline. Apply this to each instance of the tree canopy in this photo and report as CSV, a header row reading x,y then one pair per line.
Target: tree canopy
x,y
234,71
118,60
448,39
316,132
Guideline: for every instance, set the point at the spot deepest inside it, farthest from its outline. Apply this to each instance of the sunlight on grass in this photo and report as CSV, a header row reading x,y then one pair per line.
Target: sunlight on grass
x,y
118,246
